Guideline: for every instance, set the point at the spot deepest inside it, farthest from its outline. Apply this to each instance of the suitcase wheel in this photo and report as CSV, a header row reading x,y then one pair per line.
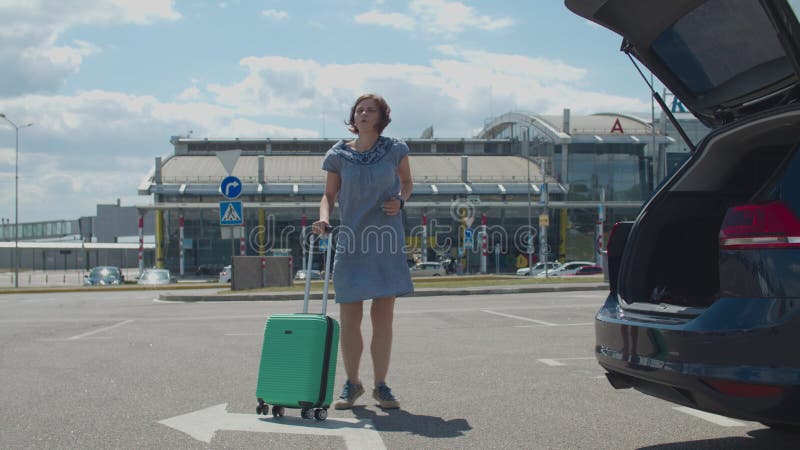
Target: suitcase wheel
x,y
262,407
307,413
277,411
321,414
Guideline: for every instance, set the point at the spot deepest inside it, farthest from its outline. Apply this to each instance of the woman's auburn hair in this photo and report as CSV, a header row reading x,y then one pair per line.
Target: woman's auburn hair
x,y
382,106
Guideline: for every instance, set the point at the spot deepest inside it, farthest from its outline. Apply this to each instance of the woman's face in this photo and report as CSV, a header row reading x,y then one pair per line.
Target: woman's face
x,y
367,115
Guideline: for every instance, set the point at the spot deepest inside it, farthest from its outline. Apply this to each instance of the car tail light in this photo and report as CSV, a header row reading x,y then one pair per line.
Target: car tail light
x,y
771,225
610,237
749,390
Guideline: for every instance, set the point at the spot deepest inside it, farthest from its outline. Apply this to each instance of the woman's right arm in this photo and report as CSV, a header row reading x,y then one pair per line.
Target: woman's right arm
x,y
332,184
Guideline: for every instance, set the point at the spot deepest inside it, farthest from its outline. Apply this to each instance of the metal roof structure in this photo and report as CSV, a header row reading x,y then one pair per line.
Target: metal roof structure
x,y
302,174
270,167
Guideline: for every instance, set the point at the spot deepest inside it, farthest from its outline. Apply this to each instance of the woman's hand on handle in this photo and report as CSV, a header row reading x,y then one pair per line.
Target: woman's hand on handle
x,y
321,227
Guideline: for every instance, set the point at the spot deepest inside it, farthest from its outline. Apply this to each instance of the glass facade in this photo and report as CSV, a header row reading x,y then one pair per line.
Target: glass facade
x,y
621,169
571,235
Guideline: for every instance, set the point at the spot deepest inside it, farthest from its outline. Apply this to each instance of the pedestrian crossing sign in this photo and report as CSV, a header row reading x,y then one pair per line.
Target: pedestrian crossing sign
x,y
230,213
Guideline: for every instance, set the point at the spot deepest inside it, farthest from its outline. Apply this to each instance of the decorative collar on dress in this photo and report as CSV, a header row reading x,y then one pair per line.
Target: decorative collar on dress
x,y
378,151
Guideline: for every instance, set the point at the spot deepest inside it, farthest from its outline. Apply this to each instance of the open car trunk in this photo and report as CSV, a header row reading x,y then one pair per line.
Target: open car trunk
x,y
731,166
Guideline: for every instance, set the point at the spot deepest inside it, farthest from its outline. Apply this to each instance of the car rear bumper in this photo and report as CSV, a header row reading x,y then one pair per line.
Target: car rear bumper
x,y
744,342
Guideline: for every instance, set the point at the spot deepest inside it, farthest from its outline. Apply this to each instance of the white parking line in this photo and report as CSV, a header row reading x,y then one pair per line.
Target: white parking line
x,y
583,324
713,418
100,330
540,322
555,362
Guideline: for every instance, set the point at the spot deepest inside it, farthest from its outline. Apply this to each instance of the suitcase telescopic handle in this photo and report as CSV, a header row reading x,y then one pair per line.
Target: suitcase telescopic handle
x,y
326,282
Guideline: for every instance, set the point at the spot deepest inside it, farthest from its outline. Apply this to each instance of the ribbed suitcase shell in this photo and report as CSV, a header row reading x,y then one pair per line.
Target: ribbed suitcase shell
x,y
292,357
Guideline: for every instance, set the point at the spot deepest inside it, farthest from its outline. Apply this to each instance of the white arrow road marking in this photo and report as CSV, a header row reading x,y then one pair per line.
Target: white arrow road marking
x,y
713,418
554,362
203,424
540,322
100,330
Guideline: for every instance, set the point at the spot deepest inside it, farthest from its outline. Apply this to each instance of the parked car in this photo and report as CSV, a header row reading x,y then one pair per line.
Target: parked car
x,y
301,274
428,269
538,268
568,268
156,276
585,271
103,275
208,269
226,274
703,306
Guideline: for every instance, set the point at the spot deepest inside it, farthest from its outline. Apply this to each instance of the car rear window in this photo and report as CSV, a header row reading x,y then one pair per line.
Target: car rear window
x,y
720,41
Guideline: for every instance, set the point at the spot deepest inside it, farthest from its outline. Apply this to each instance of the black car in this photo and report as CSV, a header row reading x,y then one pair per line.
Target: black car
x,y
103,276
208,269
704,308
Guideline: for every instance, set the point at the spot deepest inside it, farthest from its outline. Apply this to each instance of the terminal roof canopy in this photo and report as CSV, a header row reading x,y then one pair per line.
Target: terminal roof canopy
x,y
308,169
492,163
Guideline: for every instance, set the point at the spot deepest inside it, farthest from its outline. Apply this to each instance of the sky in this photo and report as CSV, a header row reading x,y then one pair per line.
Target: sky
x,y
106,83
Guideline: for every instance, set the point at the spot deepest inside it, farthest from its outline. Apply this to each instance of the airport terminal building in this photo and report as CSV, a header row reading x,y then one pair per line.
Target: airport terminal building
x,y
564,178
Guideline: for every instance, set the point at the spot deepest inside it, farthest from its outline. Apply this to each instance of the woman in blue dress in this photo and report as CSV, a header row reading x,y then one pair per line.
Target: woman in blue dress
x,y
371,179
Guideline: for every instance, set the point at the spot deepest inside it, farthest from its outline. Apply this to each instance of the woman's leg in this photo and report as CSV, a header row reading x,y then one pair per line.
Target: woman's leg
x,y
382,314
350,315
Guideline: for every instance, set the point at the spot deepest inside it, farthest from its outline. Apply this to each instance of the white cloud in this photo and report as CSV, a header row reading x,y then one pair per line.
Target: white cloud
x,y
191,93
141,12
518,65
435,17
275,14
454,92
393,20
33,59
97,146
453,17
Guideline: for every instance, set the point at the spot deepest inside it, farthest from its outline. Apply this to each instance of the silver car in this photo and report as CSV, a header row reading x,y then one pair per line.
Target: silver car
x,y
568,268
428,269
539,268
314,274
226,274
156,277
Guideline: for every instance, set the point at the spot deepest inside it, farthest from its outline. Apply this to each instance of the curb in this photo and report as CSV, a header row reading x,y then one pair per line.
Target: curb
x,y
429,292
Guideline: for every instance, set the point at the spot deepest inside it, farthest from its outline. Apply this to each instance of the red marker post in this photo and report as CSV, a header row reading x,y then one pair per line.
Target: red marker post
x,y
424,238
484,244
141,244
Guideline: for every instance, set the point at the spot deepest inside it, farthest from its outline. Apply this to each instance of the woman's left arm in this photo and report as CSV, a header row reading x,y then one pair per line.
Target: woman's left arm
x,y
406,184
393,206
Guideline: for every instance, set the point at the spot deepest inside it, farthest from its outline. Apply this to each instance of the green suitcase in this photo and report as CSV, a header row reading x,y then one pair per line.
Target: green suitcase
x,y
298,358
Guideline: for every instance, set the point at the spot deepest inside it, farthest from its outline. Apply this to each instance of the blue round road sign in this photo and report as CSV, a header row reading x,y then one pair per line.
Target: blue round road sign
x,y
231,187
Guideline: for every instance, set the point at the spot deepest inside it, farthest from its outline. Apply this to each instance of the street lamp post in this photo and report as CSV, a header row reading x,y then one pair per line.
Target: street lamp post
x,y
527,152
16,195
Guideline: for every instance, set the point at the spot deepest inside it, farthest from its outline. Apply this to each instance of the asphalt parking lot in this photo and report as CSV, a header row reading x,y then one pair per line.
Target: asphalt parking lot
x,y
125,370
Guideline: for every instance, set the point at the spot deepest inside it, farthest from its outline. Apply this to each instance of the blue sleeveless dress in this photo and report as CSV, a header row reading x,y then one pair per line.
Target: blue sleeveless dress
x,y
370,256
